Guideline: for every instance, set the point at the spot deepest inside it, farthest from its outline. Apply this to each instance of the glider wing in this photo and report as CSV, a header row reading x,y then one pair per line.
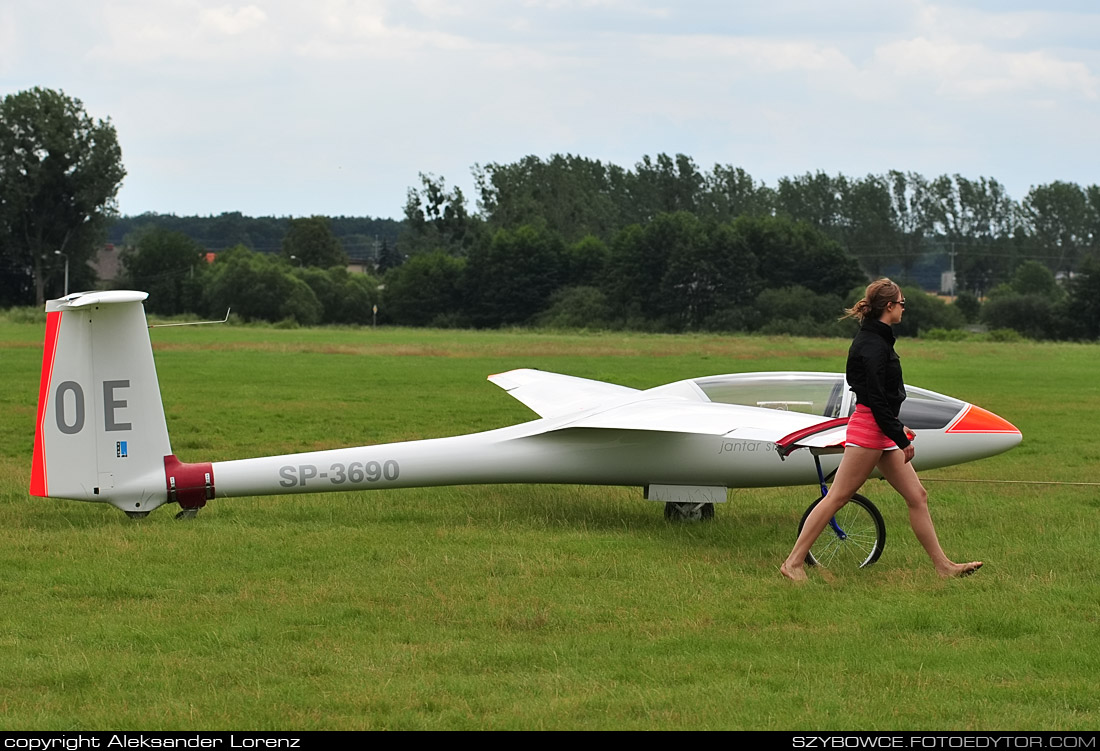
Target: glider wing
x,y
553,395
685,416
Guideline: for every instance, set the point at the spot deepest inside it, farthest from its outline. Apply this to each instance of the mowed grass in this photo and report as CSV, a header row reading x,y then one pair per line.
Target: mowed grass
x,y
540,607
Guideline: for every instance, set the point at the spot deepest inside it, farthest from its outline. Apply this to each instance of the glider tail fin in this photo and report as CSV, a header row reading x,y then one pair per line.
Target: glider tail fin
x,y
100,433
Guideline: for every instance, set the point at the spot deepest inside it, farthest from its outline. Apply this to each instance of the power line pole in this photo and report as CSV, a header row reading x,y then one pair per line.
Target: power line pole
x,y
951,255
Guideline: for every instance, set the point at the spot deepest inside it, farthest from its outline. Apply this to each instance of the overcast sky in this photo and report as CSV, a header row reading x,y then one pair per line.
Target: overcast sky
x,y
300,107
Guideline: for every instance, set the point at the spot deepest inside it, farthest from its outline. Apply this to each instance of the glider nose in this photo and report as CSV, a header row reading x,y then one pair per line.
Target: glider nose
x,y
974,419
997,433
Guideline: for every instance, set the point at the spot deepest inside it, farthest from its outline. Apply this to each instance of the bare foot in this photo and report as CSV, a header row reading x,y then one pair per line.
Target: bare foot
x,y
794,573
959,569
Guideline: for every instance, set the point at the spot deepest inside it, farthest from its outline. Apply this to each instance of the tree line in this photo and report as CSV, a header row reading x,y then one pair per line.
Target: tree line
x,y
709,276
891,222
362,238
668,246
563,241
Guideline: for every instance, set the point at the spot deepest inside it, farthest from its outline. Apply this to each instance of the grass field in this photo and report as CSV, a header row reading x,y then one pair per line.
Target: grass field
x,y
541,607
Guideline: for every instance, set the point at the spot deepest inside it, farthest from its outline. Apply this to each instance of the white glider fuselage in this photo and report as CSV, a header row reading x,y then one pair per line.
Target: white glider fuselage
x,y
548,450
533,452
101,434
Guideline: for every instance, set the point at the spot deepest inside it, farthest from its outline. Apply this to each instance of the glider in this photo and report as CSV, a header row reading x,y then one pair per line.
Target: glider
x,y
101,434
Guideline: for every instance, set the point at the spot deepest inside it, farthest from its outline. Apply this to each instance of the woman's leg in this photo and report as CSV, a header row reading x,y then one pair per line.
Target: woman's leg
x,y
855,467
901,475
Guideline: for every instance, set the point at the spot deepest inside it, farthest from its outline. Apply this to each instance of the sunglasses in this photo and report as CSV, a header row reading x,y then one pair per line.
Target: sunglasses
x,y
900,302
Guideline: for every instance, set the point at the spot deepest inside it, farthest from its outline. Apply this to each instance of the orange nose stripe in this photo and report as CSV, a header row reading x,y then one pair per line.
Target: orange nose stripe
x,y
978,420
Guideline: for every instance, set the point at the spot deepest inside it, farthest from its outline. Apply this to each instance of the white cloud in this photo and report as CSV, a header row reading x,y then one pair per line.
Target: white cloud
x,y
1042,24
964,71
757,55
9,42
232,21
334,106
370,38
138,33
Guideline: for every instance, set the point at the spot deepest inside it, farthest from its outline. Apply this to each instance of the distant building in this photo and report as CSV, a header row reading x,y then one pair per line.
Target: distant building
x,y
360,266
947,283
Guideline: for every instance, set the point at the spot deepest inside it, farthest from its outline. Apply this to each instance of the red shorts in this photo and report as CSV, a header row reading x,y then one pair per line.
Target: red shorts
x,y
864,432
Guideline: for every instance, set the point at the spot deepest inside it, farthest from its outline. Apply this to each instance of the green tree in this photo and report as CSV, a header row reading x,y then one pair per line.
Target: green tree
x,y
326,285
1034,316
60,171
576,308
1034,278
799,311
571,195
638,261
790,253
359,294
259,287
867,226
232,228
713,273
1082,303
578,197
388,257
1092,195
165,264
667,185
909,204
978,219
345,297
679,272
437,219
969,305
511,278
730,192
427,289
585,262
310,242
1061,223
812,198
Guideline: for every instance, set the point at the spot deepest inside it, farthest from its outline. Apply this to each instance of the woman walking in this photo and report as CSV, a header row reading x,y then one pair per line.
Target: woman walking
x,y
875,436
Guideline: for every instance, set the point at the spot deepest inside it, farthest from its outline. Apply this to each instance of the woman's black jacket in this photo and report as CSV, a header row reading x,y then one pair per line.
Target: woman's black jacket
x,y
874,374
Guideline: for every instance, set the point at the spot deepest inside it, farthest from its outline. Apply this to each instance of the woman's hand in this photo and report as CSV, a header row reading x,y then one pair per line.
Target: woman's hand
x,y
909,451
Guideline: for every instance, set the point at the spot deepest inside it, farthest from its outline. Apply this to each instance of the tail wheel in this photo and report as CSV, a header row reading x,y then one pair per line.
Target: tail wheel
x,y
688,512
855,536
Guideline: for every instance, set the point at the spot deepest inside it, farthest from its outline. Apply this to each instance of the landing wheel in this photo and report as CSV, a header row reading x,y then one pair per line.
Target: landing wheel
x,y
188,513
855,536
137,514
689,512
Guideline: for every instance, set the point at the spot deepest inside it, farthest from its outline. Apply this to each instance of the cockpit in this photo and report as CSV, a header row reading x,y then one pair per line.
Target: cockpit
x,y
823,394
